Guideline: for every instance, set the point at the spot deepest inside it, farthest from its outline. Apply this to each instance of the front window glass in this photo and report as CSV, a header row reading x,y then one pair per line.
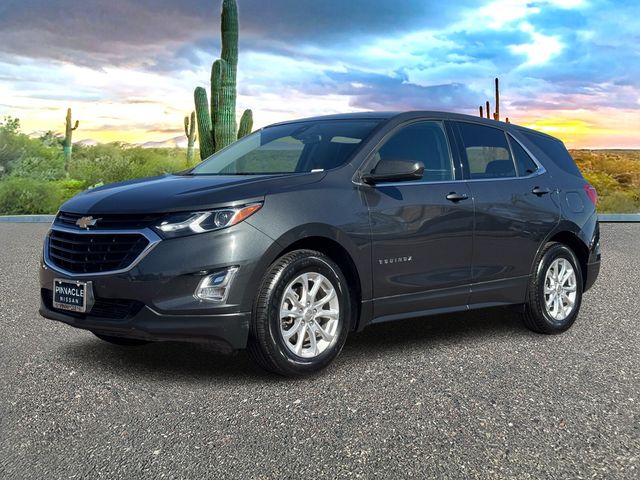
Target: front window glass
x,y
290,148
423,142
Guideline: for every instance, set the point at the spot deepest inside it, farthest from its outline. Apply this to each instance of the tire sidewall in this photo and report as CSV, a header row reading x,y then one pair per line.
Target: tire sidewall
x,y
553,253
277,288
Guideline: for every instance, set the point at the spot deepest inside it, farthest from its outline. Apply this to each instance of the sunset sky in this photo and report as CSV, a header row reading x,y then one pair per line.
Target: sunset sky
x,y
128,67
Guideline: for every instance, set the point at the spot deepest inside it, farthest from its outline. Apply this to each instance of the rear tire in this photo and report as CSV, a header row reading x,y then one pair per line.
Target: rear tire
x,y
301,315
121,341
555,291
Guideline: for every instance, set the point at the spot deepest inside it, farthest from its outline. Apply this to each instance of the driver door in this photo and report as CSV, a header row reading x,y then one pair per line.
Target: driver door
x,y
421,230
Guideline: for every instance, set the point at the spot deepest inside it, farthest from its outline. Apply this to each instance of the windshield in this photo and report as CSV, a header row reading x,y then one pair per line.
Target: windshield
x,y
290,148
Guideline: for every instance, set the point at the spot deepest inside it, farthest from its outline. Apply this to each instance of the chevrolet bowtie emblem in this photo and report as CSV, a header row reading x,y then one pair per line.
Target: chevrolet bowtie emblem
x,y
86,222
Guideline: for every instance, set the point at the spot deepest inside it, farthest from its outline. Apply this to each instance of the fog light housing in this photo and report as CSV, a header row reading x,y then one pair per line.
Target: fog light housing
x,y
215,287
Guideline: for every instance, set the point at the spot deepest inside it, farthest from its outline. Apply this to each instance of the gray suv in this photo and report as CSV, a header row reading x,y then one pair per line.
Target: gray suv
x,y
304,231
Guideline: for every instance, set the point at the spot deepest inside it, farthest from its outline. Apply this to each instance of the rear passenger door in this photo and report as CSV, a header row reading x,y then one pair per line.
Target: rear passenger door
x,y
516,209
421,230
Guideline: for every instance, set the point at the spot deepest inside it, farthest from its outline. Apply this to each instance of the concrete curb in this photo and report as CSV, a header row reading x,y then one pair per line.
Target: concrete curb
x,y
604,218
619,217
26,218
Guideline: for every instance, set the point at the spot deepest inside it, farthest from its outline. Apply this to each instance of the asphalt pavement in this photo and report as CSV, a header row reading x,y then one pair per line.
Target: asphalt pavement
x,y
472,395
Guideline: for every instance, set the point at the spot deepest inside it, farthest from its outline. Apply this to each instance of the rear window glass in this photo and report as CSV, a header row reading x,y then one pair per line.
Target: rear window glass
x,y
555,150
487,151
526,165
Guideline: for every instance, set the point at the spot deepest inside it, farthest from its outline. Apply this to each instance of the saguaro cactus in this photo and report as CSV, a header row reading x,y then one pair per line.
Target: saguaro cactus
x,y
190,132
68,134
496,114
246,124
217,125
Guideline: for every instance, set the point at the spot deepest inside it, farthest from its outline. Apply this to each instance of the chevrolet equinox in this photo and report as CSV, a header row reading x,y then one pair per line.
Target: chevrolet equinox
x,y
303,231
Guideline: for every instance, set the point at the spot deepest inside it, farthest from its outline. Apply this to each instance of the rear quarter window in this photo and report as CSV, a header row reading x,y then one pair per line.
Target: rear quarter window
x,y
555,150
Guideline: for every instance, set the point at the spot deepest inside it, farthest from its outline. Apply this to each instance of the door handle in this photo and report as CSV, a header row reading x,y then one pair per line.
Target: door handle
x,y
456,197
540,191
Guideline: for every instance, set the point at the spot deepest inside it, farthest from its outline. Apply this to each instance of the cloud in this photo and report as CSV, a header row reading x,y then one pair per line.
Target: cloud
x,y
381,92
132,32
139,60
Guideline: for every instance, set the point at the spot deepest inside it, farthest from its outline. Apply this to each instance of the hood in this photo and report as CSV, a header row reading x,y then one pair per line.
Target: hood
x,y
174,193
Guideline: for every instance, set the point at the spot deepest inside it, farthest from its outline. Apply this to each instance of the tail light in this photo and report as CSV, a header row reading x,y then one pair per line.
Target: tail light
x,y
591,193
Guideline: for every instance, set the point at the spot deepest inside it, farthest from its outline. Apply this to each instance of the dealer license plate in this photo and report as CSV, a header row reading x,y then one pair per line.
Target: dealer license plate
x,y
70,295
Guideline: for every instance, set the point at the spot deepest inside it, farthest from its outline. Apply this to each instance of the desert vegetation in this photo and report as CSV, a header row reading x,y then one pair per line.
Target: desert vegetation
x,y
616,176
34,177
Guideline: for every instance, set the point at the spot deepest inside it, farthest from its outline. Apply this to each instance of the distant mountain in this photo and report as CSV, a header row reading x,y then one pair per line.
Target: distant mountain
x,y
175,142
38,133
87,142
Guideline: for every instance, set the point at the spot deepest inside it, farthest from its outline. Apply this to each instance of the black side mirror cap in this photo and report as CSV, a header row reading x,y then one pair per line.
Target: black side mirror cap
x,y
394,171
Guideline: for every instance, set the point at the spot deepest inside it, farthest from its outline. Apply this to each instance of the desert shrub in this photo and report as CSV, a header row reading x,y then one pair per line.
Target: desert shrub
x,y
44,165
19,196
69,188
616,176
115,163
156,161
28,157
603,182
619,202
101,163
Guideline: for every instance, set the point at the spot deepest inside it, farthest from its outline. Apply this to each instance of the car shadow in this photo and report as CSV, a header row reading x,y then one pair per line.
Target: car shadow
x,y
199,362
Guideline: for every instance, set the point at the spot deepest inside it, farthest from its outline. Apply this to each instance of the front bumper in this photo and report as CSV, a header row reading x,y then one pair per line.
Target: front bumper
x,y
227,332
154,299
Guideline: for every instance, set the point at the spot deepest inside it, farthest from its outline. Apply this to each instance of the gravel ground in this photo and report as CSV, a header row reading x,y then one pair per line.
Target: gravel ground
x,y
461,396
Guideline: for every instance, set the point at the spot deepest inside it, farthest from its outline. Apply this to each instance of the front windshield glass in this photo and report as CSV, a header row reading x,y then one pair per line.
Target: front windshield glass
x,y
290,148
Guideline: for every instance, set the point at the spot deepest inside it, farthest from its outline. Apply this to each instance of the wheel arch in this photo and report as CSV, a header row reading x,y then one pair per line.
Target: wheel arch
x,y
355,262
336,252
568,234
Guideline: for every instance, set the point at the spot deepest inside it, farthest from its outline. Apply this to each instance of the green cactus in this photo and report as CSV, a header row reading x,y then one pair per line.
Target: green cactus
x,y
246,124
205,129
496,115
68,142
190,132
217,120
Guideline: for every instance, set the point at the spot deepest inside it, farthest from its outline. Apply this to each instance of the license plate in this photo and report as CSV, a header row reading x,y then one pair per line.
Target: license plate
x,y
70,295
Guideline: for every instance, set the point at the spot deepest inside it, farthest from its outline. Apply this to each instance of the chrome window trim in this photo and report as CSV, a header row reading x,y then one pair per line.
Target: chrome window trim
x,y
149,234
415,182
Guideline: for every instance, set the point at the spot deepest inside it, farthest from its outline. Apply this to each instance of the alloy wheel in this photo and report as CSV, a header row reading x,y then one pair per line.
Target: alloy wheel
x,y
560,286
309,315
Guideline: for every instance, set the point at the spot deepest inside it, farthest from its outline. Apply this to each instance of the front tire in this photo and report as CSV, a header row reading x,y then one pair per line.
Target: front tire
x,y
121,341
301,315
555,291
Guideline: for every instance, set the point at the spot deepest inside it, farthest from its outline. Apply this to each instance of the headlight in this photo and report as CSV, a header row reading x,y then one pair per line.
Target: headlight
x,y
181,224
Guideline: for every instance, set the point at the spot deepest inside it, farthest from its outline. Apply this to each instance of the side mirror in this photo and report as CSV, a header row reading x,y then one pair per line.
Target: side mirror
x,y
394,171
